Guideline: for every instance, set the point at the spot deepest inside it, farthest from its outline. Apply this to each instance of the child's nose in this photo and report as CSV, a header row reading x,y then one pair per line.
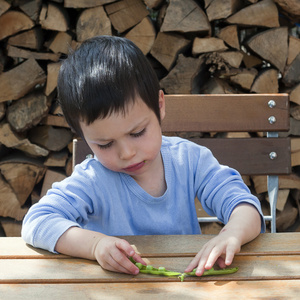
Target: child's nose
x,y
126,152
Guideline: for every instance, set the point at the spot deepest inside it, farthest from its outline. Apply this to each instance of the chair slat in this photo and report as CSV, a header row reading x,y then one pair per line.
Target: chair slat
x,y
250,156
224,113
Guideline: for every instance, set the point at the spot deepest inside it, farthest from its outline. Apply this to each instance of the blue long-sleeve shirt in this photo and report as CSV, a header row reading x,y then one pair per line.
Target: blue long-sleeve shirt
x,y
98,199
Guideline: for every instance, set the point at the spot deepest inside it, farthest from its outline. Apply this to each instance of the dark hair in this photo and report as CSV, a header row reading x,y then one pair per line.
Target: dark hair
x,y
101,77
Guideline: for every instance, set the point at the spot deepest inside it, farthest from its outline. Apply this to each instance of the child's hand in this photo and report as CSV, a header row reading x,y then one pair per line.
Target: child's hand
x,y
112,254
220,249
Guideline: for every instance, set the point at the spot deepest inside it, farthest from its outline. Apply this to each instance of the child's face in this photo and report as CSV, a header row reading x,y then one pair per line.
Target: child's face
x,y
128,143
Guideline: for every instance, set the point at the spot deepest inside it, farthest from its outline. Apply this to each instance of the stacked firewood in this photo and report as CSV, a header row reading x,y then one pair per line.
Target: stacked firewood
x,y
195,46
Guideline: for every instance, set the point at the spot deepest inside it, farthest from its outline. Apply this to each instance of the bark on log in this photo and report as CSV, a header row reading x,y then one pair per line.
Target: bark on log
x,y
28,111
17,82
18,52
11,139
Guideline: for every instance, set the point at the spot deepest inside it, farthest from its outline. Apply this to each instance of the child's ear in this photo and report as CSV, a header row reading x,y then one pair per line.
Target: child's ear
x,y
162,106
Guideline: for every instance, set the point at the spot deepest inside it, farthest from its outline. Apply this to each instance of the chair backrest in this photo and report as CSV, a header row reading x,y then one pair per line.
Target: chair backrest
x,y
267,154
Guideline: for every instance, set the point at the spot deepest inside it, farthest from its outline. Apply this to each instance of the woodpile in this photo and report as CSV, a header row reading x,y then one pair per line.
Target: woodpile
x,y
208,46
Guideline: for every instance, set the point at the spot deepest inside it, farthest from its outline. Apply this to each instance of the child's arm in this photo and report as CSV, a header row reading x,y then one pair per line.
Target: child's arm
x,y
244,225
111,253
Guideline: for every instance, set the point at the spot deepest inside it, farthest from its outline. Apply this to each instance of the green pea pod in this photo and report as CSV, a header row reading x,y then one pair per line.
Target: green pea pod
x,y
209,272
154,271
162,271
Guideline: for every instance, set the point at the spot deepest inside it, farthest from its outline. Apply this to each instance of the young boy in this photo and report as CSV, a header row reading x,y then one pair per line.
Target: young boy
x,y
140,182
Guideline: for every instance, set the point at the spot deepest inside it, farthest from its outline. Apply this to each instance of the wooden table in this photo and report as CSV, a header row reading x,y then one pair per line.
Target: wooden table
x,y
269,268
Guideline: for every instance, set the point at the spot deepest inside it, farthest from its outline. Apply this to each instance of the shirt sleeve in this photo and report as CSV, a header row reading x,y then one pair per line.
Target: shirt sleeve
x,y
65,205
220,188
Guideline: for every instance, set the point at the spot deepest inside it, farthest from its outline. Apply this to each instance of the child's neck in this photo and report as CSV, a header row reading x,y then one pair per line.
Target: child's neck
x,y
153,182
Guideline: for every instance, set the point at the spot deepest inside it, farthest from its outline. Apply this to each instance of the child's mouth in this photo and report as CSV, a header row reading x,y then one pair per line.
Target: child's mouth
x,y
135,167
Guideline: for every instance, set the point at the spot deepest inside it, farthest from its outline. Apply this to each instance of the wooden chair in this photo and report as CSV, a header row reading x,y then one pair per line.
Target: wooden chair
x,y
267,154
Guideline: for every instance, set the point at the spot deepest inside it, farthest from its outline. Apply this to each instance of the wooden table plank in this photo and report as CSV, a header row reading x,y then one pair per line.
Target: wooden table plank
x,y
189,245
273,289
85,271
185,245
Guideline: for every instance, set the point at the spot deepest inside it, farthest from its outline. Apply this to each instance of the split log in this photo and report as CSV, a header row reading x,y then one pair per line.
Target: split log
x,y
52,75
92,22
61,43
216,86
56,121
295,94
17,82
291,181
295,112
13,22
2,110
184,77
57,159
154,3
266,82
233,58
11,228
292,73
283,195
9,204
287,217
32,39
251,61
50,138
185,16
229,35
271,45
204,45
11,139
51,176
85,3
167,46
22,174
294,49
143,35
18,52
4,6
291,8
221,9
295,152
264,13
54,17
125,14
244,78
28,111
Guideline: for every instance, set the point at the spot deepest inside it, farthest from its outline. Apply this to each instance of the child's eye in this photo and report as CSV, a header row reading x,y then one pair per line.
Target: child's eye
x,y
138,134
105,146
